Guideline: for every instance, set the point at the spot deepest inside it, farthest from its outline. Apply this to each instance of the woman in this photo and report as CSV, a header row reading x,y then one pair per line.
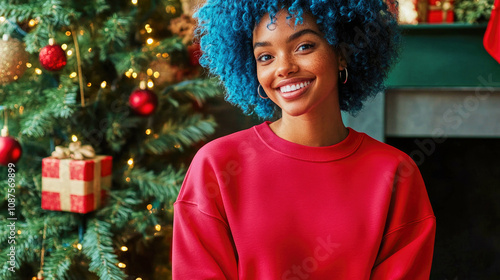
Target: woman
x,y
302,197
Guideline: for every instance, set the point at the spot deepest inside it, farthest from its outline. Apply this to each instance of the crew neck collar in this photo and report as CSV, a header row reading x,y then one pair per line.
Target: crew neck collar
x,y
327,153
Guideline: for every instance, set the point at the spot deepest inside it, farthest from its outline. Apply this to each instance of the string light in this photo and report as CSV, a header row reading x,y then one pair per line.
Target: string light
x,y
28,65
21,110
32,22
90,50
138,278
134,75
127,179
165,55
82,32
38,71
150,83
70,52
122,265
124,248
2,19
158,227
134,2
74,138
150,41
79,246
103,84
89,84
170,9
130,162
64,46
68,33
148,131
150,72
156,74
19,232
72,75
149,207
177,146
148,28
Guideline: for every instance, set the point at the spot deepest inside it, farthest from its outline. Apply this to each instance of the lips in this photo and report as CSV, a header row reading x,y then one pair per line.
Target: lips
x,y
292,90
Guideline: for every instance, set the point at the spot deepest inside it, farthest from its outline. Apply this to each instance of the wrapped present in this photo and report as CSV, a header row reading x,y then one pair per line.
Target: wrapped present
x,y
436,11
75,185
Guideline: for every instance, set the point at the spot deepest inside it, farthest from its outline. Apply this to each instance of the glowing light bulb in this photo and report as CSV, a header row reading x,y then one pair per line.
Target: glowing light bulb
x,y
74,138
148,131
70,52
79,246
68,33
103,84
72,75
149,207
158,227
64,46
150,41
130,162
124,248
122,265
38,71
134,2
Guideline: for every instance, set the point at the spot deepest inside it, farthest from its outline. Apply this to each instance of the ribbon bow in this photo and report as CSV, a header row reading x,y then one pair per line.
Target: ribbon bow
x,y
75,150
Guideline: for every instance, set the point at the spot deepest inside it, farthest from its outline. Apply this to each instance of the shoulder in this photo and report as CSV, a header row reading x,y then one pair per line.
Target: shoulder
x,y
372,149
226,146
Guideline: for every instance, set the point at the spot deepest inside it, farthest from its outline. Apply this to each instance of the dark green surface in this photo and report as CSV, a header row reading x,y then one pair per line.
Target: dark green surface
x,y
447,55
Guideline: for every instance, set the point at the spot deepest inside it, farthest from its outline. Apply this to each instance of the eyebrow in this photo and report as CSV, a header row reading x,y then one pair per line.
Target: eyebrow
x,y
289,39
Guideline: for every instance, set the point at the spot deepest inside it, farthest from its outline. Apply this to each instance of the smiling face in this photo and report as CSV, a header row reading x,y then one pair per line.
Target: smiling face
x,y
296,66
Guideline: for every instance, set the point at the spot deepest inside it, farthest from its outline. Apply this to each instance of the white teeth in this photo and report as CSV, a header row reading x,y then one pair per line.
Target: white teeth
x,y
288,88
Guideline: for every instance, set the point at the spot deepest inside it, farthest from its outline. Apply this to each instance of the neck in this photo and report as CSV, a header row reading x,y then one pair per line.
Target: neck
x,y
314,131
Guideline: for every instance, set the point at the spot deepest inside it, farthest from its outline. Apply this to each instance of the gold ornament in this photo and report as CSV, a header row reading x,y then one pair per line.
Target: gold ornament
x,y
13,58
190,6
183,27
167,73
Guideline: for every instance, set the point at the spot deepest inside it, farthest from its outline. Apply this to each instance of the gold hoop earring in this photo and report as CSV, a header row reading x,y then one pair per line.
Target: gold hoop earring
x,y
346,75
258,92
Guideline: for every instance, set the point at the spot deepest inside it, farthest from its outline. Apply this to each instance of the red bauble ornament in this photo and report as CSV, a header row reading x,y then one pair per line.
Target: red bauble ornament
x,y
52,57
143,101
10,150
194,52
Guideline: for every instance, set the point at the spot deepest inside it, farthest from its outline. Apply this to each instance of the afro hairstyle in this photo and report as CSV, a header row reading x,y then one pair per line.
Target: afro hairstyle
x,y
365,32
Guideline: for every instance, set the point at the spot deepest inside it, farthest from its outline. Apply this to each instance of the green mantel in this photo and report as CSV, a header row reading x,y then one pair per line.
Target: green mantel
x,y
443,55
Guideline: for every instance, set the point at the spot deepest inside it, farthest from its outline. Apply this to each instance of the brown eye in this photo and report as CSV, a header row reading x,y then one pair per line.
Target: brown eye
x,y
264,58
305,47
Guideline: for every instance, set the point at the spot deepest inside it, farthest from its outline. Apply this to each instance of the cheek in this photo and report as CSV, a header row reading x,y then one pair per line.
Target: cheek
x,y
264,76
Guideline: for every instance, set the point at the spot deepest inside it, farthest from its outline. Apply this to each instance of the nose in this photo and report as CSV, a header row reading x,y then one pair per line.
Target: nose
x,y
286,66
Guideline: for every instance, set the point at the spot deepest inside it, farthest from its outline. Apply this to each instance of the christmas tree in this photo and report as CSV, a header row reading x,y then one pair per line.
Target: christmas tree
x,y
81,82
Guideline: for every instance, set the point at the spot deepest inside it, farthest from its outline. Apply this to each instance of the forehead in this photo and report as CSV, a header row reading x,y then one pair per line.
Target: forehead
x,y
283,23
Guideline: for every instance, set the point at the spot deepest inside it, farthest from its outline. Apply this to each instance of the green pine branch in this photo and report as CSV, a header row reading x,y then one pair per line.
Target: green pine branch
x,y
98,247
180,134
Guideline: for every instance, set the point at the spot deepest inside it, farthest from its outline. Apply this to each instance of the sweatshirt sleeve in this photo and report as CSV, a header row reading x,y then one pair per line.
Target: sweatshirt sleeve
x,y
202,247
407,246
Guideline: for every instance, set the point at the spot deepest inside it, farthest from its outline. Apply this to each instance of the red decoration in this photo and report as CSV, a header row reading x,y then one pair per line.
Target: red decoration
x,y
10,150
77,186
52,57
491,40
194,52
440,11
143,102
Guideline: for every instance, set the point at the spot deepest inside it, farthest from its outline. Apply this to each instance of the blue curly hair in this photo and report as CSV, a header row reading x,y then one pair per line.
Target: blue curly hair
x,y
365,32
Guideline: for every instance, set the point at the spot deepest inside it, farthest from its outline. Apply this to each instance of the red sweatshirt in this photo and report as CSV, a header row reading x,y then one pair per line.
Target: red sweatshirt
x,y
255,206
